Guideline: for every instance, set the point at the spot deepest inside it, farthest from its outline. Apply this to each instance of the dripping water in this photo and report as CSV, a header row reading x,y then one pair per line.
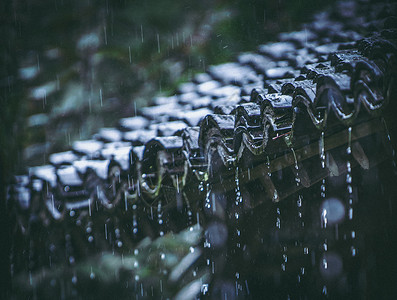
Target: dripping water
x,y
324,213
349,189
303,248
134,221
160,218
239,251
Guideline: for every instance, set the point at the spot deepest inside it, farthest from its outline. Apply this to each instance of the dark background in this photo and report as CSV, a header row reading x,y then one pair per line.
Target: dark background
x,y
69,67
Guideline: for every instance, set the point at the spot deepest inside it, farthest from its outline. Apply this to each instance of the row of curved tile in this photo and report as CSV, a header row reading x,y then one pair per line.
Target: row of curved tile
x,y
282,97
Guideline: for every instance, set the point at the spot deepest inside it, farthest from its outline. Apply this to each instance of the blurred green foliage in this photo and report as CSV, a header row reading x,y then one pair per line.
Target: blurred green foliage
x,y
88,63
156,269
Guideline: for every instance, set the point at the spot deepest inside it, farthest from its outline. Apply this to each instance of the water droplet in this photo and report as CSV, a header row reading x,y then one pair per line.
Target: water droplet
x,y
275,195
325,264
278,223
324,219
90,238
348,178
349,150
324,291
349,189
350,213
322,150
201,186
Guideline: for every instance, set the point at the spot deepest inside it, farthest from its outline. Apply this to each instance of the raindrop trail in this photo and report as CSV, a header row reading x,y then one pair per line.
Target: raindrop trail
x,y
239,252
129,53
349,189
38,62
105,35
89,207
160,218
304,249
324,217
134,220
158,43
189,214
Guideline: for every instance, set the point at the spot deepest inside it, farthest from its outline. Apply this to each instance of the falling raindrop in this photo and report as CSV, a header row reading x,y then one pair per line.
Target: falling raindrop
x,y
322,150
349,189
353,251
89,207
201,187
105,35
92,274
134,220
324,291
160,218
100,96
117,233
38,62
238,237
324,212
189,215
207,202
